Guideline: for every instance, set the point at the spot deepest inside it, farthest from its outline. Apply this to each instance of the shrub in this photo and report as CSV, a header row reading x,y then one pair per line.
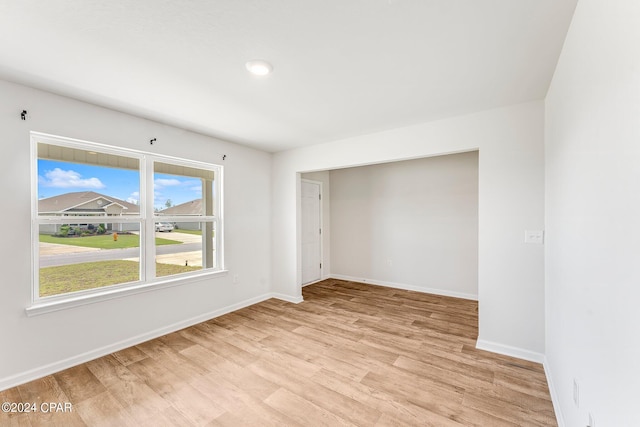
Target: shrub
x,y
64,231
102,229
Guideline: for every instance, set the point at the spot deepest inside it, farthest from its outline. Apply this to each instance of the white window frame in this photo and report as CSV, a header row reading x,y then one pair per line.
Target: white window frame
x,y
146,218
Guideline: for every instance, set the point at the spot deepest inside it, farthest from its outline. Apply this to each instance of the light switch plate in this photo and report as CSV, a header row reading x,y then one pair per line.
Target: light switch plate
x,y
534,236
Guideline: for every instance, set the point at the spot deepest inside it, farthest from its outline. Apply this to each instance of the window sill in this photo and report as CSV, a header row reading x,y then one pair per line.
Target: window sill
x,y
42,307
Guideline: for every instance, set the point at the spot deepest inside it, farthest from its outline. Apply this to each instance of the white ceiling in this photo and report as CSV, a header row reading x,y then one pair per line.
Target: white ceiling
x,y
341,67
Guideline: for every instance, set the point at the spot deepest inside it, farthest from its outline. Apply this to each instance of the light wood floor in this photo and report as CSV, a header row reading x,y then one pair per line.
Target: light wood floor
x,y
350,354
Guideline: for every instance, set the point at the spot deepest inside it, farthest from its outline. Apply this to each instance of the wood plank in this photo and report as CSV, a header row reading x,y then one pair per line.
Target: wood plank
x,y
302,411
104,410
43,391
350,354
129,355
79,383
17,419
259,414
401,410
441,372
140,401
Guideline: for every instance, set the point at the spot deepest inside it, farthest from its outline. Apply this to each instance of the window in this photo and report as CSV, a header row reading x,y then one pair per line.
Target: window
x,y
193,220
107,219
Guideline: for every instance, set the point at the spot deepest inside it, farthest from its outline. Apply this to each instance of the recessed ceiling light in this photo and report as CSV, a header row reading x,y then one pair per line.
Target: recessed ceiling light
x,y
259,67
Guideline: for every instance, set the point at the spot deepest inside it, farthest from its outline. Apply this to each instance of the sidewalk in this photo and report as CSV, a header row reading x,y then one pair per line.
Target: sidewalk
x,y
56,249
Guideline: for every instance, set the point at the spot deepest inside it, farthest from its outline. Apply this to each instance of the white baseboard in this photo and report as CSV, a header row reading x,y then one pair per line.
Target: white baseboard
x,y
43,371
554,393
315,281
405,287
288,298
508,350
324,277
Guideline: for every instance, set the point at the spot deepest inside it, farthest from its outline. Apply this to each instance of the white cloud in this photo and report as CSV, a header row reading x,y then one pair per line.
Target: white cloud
x,y
161,183
134,198
173,189
59,178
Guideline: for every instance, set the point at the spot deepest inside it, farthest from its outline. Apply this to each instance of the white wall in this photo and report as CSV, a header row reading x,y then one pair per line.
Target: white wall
x,y
593,216
411,224
34,346
325,179
511,200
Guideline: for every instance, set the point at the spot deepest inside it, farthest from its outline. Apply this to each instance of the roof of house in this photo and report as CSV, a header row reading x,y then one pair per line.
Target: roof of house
x,y
194,207
73,202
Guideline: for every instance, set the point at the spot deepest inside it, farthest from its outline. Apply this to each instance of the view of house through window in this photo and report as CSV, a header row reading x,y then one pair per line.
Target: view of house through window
x,y
99,225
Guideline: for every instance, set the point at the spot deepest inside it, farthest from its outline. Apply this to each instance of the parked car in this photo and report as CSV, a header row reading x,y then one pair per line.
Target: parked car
x,y
164,226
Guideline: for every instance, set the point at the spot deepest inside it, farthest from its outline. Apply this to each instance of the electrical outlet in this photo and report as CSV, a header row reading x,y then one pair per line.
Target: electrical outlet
x,y
235,278
389,262
576,393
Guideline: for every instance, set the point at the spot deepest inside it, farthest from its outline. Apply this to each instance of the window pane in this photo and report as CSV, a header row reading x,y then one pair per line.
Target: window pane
x,y
188,246
181,190
75,182
78,257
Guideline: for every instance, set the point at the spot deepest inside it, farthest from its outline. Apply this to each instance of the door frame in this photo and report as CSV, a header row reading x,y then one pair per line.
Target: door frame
x,y
320,207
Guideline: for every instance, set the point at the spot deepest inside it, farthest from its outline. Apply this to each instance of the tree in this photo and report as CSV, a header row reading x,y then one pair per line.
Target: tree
x,y
168,203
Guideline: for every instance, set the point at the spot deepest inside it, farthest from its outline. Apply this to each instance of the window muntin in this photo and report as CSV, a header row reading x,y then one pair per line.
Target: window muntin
x,y
107,229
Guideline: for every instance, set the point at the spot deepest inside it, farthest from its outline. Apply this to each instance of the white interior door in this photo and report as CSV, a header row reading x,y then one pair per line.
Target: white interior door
x,y
311,232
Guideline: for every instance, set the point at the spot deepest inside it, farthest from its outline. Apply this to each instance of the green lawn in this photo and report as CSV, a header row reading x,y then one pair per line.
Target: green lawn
x,y
90,275
104,241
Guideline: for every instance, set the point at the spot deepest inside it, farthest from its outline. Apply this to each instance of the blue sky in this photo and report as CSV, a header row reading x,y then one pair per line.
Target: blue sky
x,y
55,178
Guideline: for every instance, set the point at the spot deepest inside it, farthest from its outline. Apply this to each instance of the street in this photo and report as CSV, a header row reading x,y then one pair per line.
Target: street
x,y
54,254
